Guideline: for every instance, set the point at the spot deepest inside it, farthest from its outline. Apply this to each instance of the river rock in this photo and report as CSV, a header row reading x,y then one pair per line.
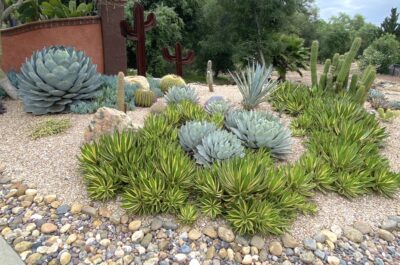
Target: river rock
x,y
226,234
134,225
275,248
353,234
48,228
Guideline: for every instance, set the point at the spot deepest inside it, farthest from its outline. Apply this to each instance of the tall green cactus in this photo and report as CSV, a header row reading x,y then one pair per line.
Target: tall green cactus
x,y
354,83
322,81
313,63
329,82
369,77
336,75
346,65
121,92
327,66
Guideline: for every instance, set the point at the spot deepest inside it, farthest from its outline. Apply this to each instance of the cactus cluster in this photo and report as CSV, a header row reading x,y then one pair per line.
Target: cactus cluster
x,y
388,115
336,75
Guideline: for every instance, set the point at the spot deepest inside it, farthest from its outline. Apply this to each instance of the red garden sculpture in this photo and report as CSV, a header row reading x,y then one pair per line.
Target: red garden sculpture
x,y
178,58
138,34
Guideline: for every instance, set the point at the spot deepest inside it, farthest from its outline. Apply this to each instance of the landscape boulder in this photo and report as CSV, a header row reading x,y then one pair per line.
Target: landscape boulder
x,y
107,121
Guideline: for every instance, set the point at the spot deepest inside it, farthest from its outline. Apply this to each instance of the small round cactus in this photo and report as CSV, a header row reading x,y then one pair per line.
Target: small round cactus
x,y
169,81
144,97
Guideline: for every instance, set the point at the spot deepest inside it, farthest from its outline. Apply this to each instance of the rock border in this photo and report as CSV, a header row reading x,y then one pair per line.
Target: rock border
x,y
43,230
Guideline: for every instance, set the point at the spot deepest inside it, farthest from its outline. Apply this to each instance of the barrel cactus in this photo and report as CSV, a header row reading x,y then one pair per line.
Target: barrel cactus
x,y
169,81
144,97
56,77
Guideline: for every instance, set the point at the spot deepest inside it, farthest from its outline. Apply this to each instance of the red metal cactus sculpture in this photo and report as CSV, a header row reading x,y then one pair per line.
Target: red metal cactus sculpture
x,y
179,61
138,34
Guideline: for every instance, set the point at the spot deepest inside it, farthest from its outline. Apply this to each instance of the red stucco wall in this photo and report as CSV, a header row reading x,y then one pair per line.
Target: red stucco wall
x,y
84,34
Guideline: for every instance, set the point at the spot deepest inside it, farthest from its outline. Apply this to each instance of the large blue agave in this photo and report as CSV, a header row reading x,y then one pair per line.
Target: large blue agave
x,y
56,77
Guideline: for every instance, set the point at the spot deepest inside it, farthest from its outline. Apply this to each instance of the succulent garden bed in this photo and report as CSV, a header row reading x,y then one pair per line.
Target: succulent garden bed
x,y
259,158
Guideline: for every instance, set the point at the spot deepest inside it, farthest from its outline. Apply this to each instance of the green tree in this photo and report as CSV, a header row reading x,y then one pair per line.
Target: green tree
x,y
251,29
382,53
289,54
390,25
216,44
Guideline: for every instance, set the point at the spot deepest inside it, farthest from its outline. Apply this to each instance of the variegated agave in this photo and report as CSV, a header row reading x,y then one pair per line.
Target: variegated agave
x,y
257,129
178,94
191,134
254,84
56,77
218,146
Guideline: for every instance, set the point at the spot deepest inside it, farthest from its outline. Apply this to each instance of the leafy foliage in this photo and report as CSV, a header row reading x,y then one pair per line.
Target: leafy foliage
x,y
50,127
289,55
56,9
382,53
254,85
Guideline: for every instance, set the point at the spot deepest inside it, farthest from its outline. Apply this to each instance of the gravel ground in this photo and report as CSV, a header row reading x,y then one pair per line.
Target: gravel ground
x,y
50,164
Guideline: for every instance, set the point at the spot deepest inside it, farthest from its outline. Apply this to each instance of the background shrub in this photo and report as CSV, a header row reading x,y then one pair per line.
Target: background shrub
x,y
382,53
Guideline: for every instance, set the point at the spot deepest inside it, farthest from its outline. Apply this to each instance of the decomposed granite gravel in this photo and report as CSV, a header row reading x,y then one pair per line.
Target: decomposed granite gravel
x,y
50,165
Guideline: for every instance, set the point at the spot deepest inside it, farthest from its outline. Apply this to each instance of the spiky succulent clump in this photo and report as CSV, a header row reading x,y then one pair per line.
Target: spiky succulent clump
x,y
188,214
56,77
218,146
179,94
257,130
144,97
191,134
217,107
254,85
169,81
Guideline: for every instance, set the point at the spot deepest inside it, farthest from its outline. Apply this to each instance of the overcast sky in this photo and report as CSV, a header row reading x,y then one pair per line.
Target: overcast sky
x,y
374,11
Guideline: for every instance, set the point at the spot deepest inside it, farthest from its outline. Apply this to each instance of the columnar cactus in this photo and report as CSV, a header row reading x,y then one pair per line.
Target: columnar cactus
x,y
177,58
209,76
336,73
345,69
121,92
137,33
313,66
